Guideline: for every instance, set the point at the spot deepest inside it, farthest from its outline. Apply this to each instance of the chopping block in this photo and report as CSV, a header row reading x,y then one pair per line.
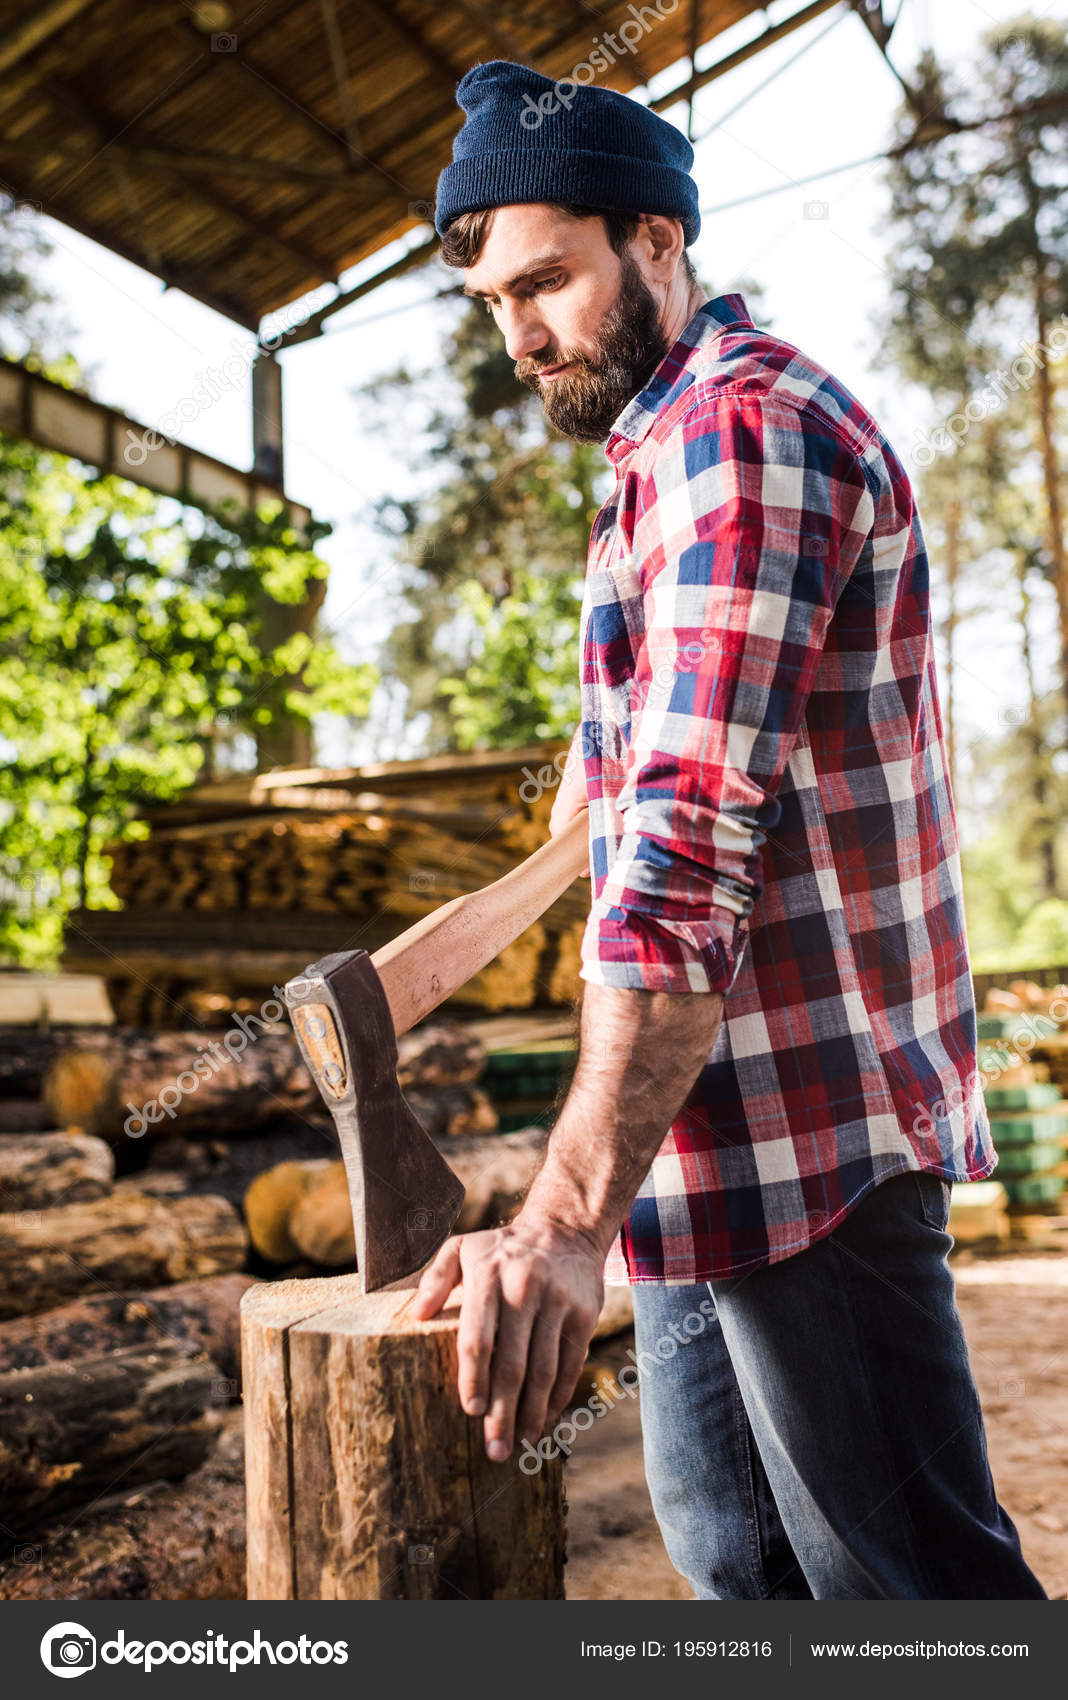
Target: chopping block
x,y
365,1478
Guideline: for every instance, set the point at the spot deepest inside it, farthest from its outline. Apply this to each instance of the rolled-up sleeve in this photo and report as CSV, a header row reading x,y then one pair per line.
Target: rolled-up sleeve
x,y
749,518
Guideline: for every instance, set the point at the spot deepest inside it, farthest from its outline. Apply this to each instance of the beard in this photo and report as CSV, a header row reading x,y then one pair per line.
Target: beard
x,y
630,344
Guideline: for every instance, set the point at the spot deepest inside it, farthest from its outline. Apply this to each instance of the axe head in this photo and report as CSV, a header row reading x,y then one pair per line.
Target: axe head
x,y
404,1196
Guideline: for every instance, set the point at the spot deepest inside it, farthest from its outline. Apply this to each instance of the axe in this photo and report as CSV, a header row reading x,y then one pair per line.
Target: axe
x,y
348,1011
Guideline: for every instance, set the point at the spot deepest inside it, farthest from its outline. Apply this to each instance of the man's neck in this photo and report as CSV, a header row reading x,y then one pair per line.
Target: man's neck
x,y
679,310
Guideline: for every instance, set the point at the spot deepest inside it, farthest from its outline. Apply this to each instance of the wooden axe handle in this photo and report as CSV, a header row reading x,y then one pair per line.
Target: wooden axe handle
x,y
437,956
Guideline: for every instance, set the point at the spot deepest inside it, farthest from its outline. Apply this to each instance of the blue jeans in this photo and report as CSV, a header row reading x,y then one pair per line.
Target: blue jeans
x,y
820,1436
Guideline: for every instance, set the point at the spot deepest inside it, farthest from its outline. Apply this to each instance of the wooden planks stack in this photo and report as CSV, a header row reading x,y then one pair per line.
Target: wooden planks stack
x,y
241,883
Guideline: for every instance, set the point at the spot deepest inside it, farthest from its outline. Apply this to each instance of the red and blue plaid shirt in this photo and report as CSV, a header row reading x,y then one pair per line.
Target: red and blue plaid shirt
x,y
771,814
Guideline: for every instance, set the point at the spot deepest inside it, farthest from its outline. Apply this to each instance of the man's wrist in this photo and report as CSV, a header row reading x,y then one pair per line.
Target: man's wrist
x,y
554,1206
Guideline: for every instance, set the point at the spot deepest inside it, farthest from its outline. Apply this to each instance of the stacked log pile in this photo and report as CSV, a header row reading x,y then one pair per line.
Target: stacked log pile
x,y
1023,1056
242,883
119,1338
123,1260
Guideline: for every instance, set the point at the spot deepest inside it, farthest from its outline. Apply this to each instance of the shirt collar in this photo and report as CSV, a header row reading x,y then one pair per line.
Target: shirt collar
x,y
674,373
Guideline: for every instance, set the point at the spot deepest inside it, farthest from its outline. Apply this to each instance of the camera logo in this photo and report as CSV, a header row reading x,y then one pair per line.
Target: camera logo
x,y
68,1649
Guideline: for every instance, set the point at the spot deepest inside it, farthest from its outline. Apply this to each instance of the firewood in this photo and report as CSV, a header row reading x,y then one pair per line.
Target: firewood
x,y
320,1222
24,1115
439,1053
142,1086
495,1171
205,1311
71,1430
25,1054
126,1240
270,1201
40,1169
158,1541
452,1111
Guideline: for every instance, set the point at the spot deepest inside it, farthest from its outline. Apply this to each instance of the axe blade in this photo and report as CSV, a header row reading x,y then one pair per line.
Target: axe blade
x,y
404,1196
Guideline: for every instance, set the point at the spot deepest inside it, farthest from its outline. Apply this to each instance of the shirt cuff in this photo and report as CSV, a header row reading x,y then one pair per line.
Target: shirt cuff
x,y
638,952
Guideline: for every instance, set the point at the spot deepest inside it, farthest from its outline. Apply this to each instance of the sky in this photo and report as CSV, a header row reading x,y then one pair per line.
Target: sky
x,y
817,250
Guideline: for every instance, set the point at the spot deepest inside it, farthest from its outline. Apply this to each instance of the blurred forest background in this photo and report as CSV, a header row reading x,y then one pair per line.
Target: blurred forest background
x,y
139,646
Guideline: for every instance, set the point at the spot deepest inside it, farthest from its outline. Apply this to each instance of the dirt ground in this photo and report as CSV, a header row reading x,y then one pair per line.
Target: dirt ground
x,y
1015,1311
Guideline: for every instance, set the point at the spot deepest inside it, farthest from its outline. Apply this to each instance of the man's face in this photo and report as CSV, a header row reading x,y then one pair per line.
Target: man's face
x,y
581,324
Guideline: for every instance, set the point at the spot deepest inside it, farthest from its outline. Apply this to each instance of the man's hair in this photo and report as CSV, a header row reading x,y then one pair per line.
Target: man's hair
x,y
463,240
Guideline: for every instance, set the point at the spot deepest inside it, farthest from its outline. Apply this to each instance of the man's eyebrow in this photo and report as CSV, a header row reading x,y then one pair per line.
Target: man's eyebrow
x,y
538,265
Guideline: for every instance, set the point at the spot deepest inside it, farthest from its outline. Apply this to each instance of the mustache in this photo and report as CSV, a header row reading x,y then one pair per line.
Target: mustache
x,y
525,370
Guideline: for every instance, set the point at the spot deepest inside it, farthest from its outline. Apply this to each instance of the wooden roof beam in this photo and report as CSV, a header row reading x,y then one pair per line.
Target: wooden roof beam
x,y
413,39
775,32
35,28
105,127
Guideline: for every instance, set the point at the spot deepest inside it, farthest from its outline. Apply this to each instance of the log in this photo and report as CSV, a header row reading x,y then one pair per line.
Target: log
x,y
365,1479
448,1112
71,1430
185,1080
41,1169
314,1213
24,1115
98,1088
158,1541
127,1240
439,1053
270,1200
26,1052
207,1312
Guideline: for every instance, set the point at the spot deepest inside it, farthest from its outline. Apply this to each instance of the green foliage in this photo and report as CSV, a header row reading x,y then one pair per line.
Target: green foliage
x,y
498,538
134,653
522,682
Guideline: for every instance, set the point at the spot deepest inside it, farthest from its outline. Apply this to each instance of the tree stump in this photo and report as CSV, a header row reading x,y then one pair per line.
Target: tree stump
x,y
365,1479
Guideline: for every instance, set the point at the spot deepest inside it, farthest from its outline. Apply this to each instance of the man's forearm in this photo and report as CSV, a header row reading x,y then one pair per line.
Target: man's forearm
x,y
639,1055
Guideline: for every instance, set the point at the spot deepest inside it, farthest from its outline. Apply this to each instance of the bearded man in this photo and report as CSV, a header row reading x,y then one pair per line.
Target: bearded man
x,y
777,1081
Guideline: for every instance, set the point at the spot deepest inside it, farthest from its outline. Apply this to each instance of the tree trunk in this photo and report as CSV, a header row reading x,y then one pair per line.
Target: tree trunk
x,y
164,1541
126,1240
206,1312
1046,830
366,1480
73,1429
138,1085
41,1169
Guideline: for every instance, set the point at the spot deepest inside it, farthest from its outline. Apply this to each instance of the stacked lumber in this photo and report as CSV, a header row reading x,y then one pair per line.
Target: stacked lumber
x,y
242,883
1023,1057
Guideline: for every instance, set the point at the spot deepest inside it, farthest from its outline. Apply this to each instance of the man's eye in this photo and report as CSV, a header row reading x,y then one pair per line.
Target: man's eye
x,y
490,304
549,282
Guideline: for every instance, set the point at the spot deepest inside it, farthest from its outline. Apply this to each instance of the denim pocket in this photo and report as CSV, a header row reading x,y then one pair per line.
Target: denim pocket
x,y
935,1196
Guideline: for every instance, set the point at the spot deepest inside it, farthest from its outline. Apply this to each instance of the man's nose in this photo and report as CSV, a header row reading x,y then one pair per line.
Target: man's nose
x,y
524,332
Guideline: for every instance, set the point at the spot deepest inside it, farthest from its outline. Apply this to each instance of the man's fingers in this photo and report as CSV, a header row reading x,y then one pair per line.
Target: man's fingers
x,y
474,1341
573,1349
542,1370
437,1281
509,1372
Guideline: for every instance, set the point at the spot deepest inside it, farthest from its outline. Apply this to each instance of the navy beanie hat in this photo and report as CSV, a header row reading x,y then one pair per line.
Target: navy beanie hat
x,y
527,138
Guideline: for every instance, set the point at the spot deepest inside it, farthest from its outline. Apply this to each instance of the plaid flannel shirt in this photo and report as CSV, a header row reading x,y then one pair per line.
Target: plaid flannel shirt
x,y
771,815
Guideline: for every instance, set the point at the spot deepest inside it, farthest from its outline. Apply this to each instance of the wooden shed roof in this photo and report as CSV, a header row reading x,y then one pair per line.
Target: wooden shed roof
x,y
248,152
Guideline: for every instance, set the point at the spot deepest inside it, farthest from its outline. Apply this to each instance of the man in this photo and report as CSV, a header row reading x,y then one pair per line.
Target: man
x,y
777,1073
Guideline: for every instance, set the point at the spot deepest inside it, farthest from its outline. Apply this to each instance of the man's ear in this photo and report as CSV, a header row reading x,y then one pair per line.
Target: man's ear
x,y
665,245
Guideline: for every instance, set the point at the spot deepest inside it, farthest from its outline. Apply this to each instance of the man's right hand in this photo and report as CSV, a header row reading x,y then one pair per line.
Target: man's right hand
x,y
571,797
